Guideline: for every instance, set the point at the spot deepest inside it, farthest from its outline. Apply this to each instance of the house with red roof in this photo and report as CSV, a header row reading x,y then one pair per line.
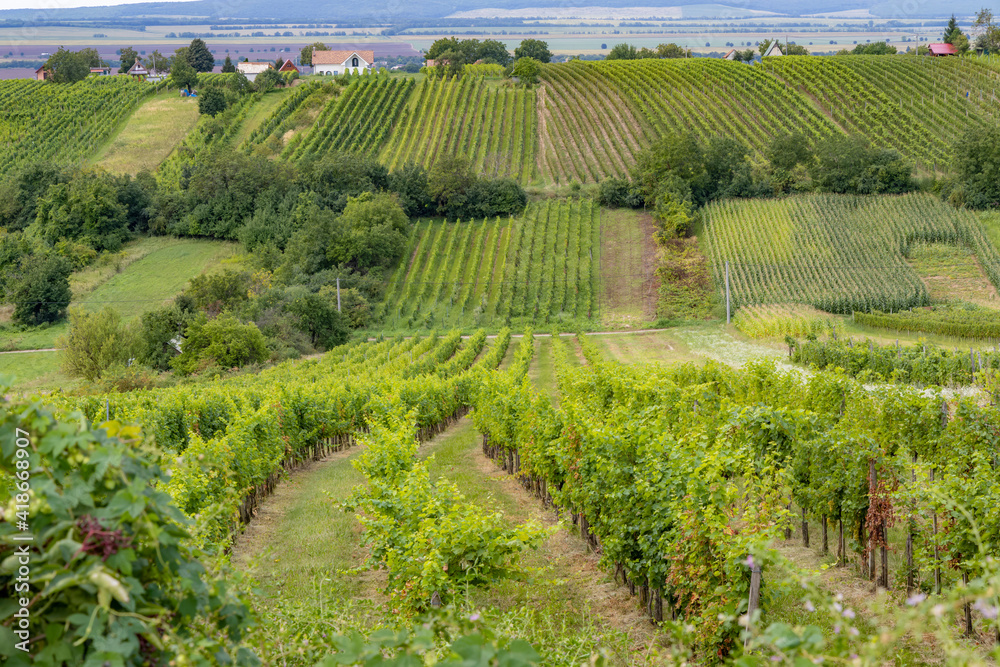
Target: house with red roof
x,y
942,49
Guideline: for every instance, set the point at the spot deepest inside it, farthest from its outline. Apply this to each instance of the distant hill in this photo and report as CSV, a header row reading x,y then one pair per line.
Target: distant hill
x,y
393,11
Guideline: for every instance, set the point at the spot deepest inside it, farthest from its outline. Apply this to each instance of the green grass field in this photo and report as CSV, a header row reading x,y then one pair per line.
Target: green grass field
x,y
149,135
144,284
259,113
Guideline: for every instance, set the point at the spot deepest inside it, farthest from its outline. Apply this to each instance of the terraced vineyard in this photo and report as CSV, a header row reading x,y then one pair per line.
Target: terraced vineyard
x,y
712,97
494,127
531,270
64,123
919,106
587,131
836,253
358,120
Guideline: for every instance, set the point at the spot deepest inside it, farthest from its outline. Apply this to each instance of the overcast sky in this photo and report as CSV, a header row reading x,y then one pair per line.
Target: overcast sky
x,y
61,4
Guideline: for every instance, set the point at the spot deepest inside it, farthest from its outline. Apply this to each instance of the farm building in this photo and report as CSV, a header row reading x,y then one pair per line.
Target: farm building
x,y
101,71
288,66
251,70
338,62
43,74
731,55
775,50
942,49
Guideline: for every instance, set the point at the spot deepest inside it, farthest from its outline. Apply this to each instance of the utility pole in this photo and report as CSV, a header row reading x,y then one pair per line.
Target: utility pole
x,y
338,294
728,314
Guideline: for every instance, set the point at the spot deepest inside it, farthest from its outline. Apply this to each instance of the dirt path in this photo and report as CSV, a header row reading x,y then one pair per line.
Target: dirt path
x,y
565,579
46,349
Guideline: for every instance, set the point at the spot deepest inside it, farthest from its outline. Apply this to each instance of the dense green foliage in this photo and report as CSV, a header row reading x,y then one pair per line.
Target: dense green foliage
x,y
114,577
922,364
959,321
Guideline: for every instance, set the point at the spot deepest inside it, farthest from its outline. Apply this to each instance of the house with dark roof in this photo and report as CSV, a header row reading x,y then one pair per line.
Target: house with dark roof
x,y
338,62
288,66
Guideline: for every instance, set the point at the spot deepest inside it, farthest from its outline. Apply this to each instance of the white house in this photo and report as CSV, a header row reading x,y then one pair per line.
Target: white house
x,y
338,62
775,50
251,70
731,55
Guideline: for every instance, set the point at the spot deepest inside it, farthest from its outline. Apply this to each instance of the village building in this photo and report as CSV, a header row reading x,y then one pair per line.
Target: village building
x,y
138,70
288,66
251,70
338,62
731,55
101,71
43,74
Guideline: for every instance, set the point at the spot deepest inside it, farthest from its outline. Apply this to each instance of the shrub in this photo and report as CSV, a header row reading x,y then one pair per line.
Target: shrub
x,y
43,294
95,341
114,544
224,341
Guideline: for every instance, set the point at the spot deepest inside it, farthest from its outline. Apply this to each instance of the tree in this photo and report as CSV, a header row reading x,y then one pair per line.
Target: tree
x,y
952,31
961,43
157,328
449,179
409,184
374,232
876,49
526,70
533,48
306,55
672,50
622,52
267,80
212,102
278,62
182,74
489,51
987,31
747,56
42,295
128,57
86,208
199,57
95,342
764,46
788,151
68,66
228,67
793,49
977,159
318,316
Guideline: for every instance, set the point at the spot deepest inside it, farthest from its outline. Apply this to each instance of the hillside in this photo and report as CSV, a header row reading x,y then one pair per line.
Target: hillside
x,y
837,253
589,120
66,124
150,134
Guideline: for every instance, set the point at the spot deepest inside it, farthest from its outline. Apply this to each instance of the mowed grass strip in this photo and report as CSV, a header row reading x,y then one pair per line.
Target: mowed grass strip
x,y
149,135
260,113
150,282
142,285
29,371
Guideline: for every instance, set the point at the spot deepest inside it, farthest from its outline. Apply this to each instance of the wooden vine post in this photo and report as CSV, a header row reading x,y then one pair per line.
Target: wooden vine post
x,y
805,529
872,480
754,600
937,556
911,529
826,544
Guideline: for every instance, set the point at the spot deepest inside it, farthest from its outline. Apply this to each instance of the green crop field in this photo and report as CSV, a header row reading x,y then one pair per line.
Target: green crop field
x,y
358,120
494,127
836,253
39,121
532,270
150,134
919,106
